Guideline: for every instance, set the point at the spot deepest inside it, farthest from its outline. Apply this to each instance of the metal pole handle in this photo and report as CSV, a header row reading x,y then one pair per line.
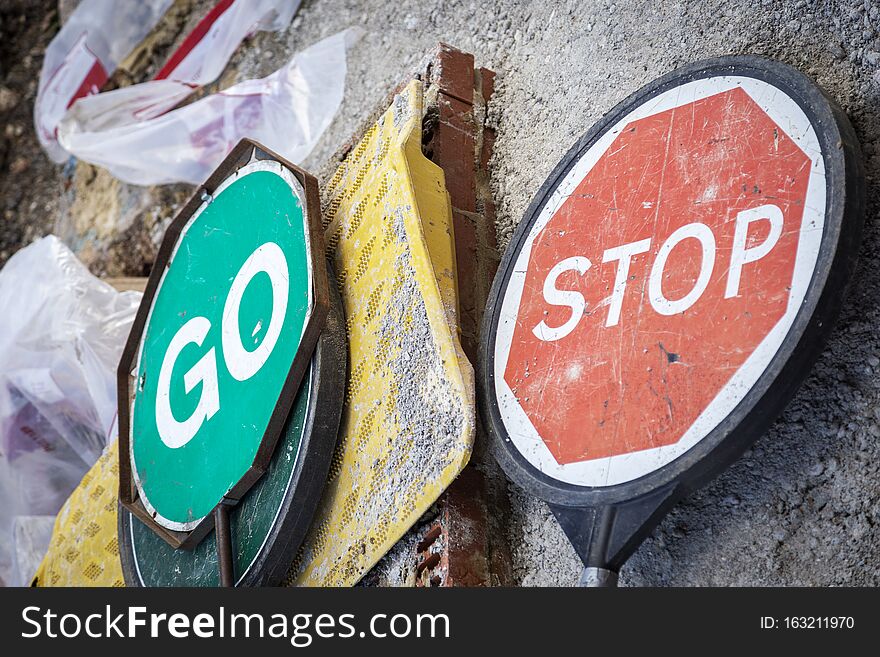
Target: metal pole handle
x,y
598,578
224,545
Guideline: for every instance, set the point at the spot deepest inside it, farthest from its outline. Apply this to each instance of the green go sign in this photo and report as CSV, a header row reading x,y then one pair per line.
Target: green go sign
x,y
229,328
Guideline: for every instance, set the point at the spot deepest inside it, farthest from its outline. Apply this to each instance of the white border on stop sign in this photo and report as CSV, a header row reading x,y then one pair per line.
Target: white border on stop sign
x,y
612,470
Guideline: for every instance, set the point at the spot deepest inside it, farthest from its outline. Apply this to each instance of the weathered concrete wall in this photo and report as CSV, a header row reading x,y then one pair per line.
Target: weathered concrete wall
x,y
802,507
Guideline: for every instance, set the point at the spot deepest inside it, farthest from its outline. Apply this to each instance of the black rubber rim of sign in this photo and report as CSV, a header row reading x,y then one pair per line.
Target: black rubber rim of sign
x,y
799,350
309,476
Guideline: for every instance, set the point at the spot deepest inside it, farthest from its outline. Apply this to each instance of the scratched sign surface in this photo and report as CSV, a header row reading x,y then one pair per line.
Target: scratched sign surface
x,y
659,280
226,323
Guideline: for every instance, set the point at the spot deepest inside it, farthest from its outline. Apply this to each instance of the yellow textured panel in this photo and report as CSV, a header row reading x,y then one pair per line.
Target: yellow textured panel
x,y
408,422
84,550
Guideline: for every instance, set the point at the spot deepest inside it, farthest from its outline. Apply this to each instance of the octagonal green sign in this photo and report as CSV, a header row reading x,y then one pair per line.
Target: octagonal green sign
x,y
228,323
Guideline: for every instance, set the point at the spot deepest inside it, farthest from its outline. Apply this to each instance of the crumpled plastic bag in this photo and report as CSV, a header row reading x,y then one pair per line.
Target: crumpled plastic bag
x,y
198,61
135,132
61,337
100,34
31,536
287,111
85,52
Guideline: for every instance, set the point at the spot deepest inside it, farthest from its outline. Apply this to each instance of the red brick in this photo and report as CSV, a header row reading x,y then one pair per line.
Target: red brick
x,y
453,71
467,260
467,518
456,113
454,144
459,174
458,549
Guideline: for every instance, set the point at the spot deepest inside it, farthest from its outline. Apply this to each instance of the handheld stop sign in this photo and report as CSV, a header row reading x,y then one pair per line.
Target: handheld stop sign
x,y
667,291
230,319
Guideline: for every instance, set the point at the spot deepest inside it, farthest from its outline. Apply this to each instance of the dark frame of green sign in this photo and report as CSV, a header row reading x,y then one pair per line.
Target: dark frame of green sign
x,y
242,154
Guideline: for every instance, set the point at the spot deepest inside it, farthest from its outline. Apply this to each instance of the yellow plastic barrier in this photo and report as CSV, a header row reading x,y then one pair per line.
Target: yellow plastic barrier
x,y
408,421
84,550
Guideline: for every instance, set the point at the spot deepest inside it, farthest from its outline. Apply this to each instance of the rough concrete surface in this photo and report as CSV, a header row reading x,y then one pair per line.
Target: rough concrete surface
x,y
803,506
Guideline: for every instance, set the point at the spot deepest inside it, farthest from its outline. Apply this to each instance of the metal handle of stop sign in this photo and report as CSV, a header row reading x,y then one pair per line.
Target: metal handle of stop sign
x,y
593,577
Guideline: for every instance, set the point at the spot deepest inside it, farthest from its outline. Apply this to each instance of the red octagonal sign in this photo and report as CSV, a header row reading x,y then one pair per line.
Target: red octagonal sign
x,y
659,279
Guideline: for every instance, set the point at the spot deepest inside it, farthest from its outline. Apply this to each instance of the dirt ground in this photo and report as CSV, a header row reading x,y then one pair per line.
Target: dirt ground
x,y
29,182
803,506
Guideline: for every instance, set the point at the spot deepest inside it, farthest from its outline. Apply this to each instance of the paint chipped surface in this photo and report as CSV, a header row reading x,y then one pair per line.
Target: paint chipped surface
x,y
659,279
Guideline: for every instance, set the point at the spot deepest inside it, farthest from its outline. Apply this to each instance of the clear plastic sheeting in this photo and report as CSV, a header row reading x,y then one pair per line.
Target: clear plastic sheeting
x,y
99,35
31,536
85,52
201,58
198,61
287,111
61,338
136,133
